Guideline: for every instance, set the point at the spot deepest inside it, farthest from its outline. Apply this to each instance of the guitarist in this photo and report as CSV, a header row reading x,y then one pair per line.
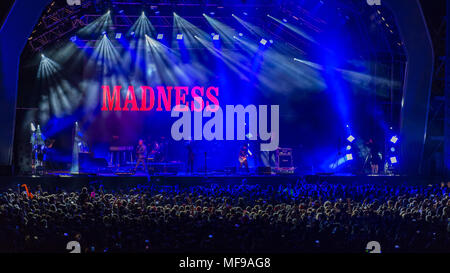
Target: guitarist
x,y
243,158
141,154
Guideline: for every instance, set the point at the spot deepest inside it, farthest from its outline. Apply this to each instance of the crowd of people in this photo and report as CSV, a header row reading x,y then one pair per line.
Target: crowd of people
x,y
245,218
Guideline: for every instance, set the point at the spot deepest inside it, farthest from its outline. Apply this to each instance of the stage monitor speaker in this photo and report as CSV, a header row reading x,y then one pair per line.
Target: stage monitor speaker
x,y
123,174
230,170
264,170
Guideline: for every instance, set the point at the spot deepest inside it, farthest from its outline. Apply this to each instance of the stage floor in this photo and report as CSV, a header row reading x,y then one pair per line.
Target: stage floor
x,y
67,181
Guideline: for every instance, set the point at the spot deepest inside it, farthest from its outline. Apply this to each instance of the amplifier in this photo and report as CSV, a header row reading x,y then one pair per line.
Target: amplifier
x,y
284,152
284,158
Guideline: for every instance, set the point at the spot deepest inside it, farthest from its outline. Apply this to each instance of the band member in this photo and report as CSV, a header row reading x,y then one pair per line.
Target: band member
x,y
141,155
191,156
38,149
156,152
163,143
374,156
243,158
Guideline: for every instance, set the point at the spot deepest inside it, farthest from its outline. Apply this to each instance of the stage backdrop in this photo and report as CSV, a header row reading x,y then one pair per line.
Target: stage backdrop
x,y
326,91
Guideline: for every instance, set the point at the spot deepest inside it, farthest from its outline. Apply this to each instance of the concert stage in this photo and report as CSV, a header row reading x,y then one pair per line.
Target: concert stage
x,y
194,86
69,182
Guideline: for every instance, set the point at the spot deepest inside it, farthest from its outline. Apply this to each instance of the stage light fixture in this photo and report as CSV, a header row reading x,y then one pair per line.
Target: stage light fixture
x,y
285,20
349,157
393,149
393,160
351,138
263,41
349,147
160,36
394,139
118,36
271,41
241,34
73,38
179,36
216,37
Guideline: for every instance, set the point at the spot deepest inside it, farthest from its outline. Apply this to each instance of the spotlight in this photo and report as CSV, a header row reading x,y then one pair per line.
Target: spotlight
x,y
216,37
157,12
43,56
160,36
393,149
349,157
212,13
179,36
104,33
263,41
285,20
73,38
394,139
349,147
393,160
132,33
271,41
118,36
351,138
245,13
241,34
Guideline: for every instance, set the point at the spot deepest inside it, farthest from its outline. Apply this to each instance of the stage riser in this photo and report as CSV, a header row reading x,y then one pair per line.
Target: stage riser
x,y
52,183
